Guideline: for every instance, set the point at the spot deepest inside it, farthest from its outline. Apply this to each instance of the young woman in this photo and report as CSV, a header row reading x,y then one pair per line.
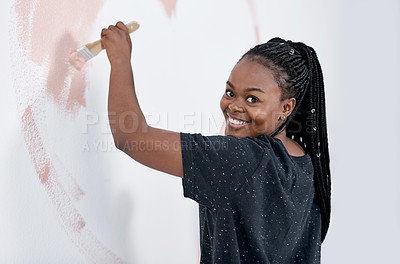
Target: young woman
x,y
264,188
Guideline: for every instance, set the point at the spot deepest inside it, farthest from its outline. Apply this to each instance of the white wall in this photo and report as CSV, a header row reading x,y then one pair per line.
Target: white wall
x,y
181,61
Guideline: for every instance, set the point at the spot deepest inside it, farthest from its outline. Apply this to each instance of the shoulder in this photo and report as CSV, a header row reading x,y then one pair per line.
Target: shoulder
x,y
220,142
245,147
293,148
226,152
289,152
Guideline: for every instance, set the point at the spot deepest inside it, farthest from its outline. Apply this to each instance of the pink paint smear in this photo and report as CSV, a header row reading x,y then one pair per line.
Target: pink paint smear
x,y
169,7
170,10
56,30
73,222
254,15
46,33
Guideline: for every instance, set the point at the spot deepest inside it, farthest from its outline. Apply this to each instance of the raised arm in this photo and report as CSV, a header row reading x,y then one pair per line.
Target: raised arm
x,y
156,148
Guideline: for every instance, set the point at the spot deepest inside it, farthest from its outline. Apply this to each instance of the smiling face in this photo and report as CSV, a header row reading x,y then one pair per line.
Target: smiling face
x,y
252,102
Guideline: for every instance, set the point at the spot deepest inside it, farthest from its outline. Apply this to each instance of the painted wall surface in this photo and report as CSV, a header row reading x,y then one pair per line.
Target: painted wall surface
x,y
68,196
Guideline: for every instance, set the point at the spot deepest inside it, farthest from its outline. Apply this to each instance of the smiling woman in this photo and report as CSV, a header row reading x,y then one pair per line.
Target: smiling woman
x,y
253,97
264,188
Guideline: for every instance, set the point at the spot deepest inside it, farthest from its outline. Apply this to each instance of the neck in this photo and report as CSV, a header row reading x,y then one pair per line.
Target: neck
x,y
292,147
281,135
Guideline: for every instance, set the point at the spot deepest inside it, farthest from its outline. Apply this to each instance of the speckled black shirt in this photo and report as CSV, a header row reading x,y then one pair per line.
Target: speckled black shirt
x,y
255,200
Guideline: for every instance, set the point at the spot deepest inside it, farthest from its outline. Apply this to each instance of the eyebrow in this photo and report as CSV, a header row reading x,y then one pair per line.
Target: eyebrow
x,y
247,89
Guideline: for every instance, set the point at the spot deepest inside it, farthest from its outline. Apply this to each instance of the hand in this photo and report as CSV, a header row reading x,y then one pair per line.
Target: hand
x,y
117,42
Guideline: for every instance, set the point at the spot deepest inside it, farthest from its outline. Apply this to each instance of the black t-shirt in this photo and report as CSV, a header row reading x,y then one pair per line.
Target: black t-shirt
x,y
256,202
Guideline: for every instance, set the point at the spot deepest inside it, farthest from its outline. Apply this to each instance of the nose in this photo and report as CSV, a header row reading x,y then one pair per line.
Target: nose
x,y
235,107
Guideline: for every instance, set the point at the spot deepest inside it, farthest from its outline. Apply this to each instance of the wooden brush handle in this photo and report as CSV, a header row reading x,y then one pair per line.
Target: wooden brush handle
x,y
132,26
95,47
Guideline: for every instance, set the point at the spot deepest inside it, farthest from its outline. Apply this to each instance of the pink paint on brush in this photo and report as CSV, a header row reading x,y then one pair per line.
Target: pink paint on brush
x,y
77,60
169,7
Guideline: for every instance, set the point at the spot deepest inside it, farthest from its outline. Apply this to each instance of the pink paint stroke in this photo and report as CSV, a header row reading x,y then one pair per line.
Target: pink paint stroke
x,y
67,180
23,9
52,34
169,7
46,31
254,15
73,222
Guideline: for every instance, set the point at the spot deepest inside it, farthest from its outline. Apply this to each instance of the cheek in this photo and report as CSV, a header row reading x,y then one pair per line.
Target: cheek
x,y
265,120
223,103
262,116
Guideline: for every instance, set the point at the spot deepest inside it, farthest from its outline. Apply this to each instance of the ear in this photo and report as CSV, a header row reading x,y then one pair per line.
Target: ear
x,y
287,107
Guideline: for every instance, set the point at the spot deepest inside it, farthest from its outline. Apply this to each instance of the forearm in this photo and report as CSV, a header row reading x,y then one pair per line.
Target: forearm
x,y
156,148
125,116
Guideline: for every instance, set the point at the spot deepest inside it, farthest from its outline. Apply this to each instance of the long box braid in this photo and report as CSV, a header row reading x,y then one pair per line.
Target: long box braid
x,y
297,71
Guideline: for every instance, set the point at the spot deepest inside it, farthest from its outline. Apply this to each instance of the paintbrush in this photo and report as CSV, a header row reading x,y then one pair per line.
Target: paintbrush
x,y
90,50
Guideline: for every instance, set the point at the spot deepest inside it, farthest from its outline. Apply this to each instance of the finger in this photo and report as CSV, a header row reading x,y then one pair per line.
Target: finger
x,y
121,26
104,32
112,28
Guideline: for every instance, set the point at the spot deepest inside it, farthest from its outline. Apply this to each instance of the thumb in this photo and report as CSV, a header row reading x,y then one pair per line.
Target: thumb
x,y
103,35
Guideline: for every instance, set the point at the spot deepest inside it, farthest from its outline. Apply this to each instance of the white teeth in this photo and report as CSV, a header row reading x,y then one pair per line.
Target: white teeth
x,y
235,121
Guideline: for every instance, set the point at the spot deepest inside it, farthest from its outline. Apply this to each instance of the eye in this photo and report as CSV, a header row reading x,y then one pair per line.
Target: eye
x,y
229,93
251,99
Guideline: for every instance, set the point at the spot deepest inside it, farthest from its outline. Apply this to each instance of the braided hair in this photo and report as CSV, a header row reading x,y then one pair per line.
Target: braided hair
x,y
297,71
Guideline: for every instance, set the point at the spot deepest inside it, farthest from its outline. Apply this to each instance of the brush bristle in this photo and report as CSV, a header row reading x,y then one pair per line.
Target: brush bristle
x,y
86,53
77,60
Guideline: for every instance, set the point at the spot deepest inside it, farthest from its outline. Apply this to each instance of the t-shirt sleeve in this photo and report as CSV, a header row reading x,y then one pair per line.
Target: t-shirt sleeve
x,y
215,167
